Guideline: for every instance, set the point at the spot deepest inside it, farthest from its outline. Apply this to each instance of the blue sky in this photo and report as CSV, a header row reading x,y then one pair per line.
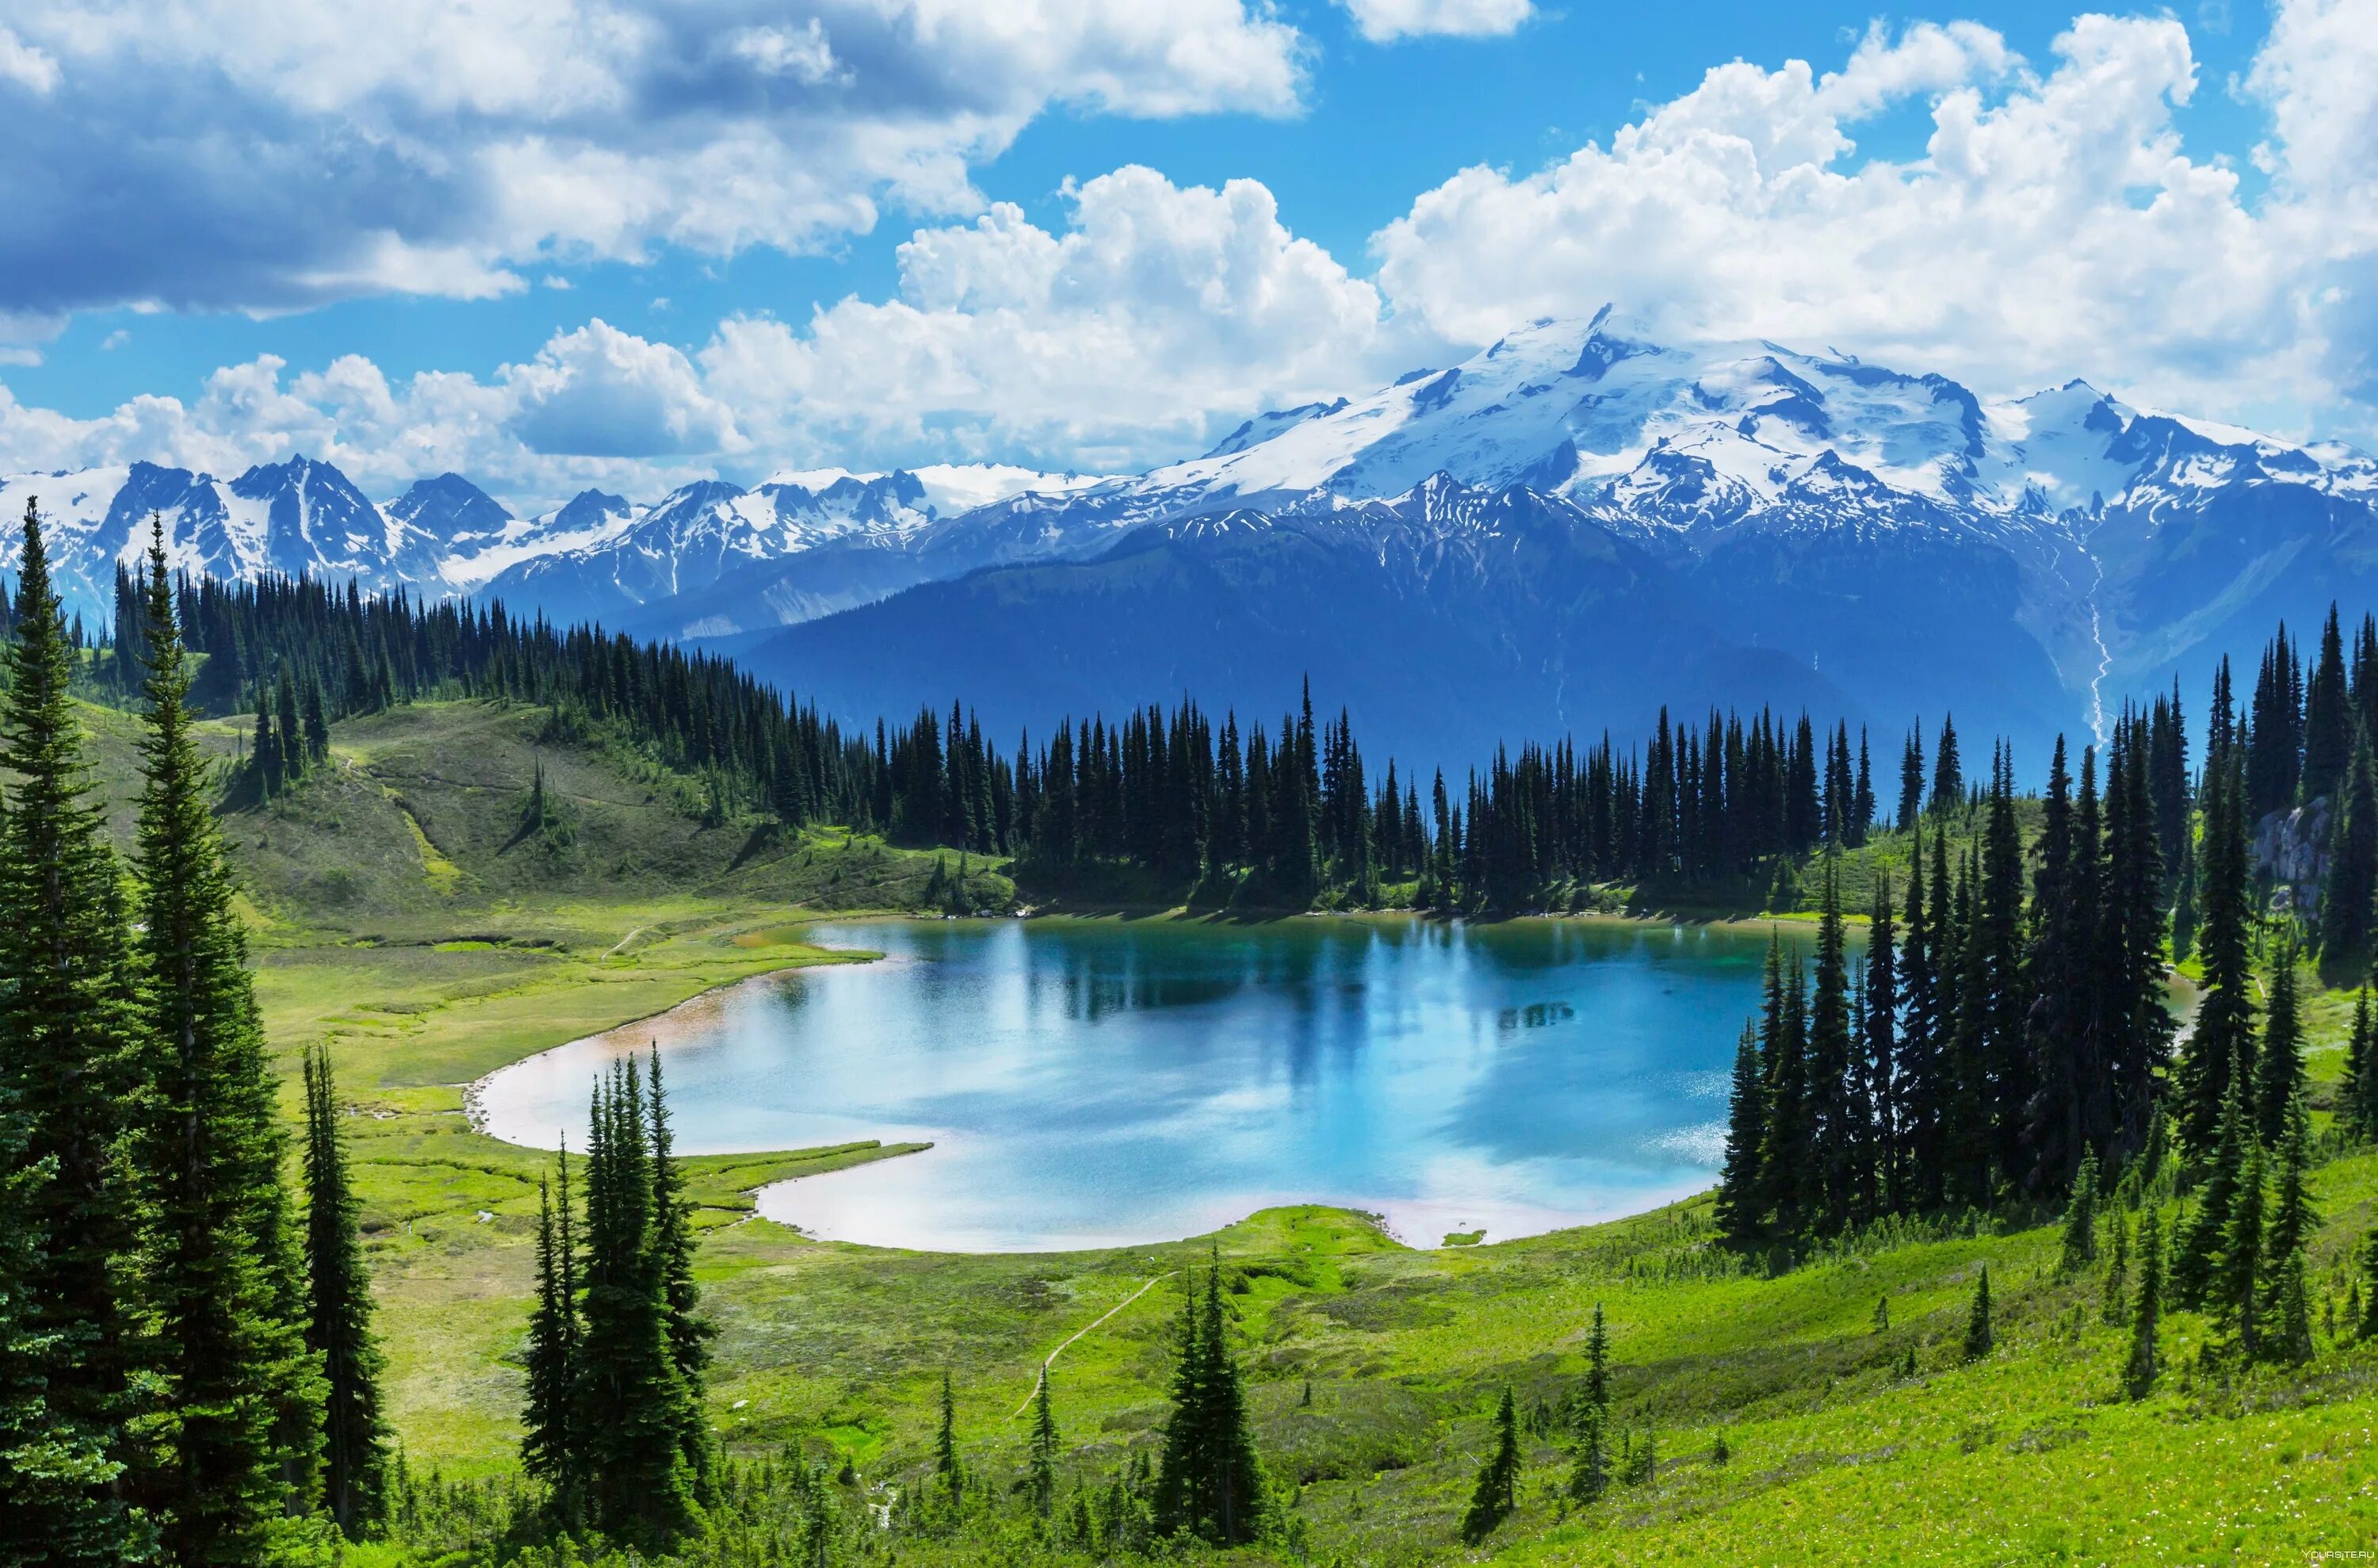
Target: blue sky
x,y
614,273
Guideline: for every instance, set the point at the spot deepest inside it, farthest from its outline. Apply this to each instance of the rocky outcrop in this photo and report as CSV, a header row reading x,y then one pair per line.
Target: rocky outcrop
x,y
2291,851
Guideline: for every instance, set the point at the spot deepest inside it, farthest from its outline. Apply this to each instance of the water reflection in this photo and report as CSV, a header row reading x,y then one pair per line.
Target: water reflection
x,y
1088,1084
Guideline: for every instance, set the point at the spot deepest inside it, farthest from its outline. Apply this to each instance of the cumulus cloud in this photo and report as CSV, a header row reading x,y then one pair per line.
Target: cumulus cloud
x,y
1118,341
2054,225
266,154
1384,22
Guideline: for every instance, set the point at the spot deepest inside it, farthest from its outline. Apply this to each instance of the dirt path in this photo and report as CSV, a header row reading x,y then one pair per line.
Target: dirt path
x,y
1051,1359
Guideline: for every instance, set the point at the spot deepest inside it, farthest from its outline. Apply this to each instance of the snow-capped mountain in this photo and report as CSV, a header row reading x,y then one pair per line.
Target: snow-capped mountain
x,y
1575,519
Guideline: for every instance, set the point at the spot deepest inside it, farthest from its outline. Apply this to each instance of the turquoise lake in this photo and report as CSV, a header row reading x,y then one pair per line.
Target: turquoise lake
x,y
1091,1083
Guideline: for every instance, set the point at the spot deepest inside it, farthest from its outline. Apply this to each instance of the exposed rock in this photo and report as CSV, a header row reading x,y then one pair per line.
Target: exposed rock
x,y
2291,850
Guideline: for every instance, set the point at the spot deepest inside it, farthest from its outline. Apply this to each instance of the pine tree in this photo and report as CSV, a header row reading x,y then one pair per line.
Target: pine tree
x,y
1948,772
2223,1036
2329,716
630,1413
1597,1363
2114,1303
1209,1482
2201,1242
2279,1069
1746,1132
2140,1372
552,1450
1497,1492
229,1321
2348,893
945,1437
64,1030
1979,1336
1589,1468
689,1332
2240,1274
2289,1231
1911,779
354,1436
1040,1473
2080,1219
2357,1093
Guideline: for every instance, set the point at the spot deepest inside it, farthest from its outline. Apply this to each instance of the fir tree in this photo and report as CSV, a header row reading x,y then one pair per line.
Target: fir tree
x,y
1979,1336
630,1406
1497,1492
1041,1471
1208,1483
2201,1242
1597,1363
1948,772
354,1436
64,1030
551,1448
2139,1374
229,1323
2348,892
1588,1467
2080,1219
2289,1231
2237,1289
1746,1132
945,1437
2114,1303
689,1332
2357,1092
2278,1068
2223,1036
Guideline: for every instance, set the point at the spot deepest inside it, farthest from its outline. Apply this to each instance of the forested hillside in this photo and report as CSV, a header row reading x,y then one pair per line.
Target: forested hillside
x,y
2046,1227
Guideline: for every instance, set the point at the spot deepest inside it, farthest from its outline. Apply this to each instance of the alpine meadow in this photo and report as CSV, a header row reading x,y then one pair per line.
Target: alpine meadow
x,y
1289,783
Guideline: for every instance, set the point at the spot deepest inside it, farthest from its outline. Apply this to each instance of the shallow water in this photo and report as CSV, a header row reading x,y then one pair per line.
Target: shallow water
x,y
1097,1084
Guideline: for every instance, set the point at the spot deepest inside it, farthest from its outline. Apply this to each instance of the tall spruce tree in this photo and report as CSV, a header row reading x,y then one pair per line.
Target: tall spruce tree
x,y
2139,1374
629,1415
2279,1068
2357,1091
689,1332
65,1028
2348,892
1746,1133
1209,1482
2224,1035
552,1451
2329,716
225,1292
354,1432
1041,1464
2199,1245
1496,1492
2238,1290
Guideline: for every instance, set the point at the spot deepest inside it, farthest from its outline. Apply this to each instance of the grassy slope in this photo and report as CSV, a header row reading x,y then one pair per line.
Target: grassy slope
x,y
400,922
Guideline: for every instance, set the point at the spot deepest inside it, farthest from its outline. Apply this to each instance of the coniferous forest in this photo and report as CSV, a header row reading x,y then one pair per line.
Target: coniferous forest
x,y
2083,1006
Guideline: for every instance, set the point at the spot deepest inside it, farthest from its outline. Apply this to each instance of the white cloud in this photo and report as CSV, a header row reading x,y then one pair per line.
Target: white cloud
x,y
602,392
1117,341
1383,21
2053,226
267,154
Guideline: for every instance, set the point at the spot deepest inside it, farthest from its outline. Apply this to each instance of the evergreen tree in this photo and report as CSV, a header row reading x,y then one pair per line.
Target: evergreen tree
x,y
2348,892
2223,1036
64,1030
2140,1372
630,1413
1832,1137
1040,1466
2279,1069
1979,1336
2292,1222
1597,1363
2114,1303
2201,1242
2357,1093
1497,1492
2237,1289
2328,717
689,1332
228,1321
2080,1219
354,1435
552,1450
1209,1482
1948,772
1746,1132
1911,779
945,1437
1589,1468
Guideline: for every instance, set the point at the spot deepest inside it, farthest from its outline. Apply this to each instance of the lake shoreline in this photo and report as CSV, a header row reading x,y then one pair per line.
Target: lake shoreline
x,y
1497,1213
